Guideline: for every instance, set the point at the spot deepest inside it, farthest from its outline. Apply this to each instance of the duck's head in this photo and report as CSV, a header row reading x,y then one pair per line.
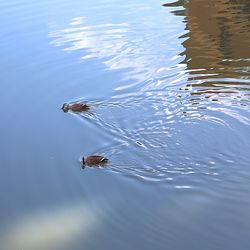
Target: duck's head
x,y
82,162
65,107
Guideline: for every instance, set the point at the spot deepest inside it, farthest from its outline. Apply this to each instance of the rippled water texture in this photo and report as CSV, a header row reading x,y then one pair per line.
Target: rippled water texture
x,y
169,91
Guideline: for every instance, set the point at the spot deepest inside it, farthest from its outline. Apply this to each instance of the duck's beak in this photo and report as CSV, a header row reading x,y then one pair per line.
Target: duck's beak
x,y
83,166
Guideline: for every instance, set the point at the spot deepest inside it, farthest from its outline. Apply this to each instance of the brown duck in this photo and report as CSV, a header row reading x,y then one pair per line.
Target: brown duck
x,y
94,160
76,107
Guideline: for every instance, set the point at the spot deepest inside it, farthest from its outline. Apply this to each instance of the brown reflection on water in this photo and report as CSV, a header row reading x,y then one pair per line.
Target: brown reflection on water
x,y
217,47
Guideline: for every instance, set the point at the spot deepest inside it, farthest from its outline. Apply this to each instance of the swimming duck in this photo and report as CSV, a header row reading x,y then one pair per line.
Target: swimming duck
x,y
76,107
93,160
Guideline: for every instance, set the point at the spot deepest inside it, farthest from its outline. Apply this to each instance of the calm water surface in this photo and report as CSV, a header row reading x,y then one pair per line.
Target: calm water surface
x,y
169,89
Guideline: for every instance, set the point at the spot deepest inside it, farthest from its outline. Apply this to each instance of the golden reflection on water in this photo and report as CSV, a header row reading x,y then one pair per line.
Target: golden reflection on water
x,y
217,58
217,48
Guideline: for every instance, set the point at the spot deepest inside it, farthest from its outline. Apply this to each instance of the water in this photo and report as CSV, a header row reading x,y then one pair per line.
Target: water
x,y
169,93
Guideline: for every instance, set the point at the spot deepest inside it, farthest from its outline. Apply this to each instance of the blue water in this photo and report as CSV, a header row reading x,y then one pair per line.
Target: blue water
x,y
168,89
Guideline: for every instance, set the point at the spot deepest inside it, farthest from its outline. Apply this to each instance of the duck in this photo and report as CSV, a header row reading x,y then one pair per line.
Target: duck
x,y
76,107
92,160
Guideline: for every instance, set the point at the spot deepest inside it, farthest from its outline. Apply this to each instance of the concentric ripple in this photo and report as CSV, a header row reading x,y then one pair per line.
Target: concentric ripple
x,y
170,113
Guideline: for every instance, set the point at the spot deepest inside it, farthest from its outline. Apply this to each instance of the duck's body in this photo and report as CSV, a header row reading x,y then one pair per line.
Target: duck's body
x,y
94,160
76,107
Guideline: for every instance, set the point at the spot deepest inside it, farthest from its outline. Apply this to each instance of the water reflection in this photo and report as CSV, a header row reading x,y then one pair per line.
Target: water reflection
x,y
179,161
217,51
119,45
53,229
174,84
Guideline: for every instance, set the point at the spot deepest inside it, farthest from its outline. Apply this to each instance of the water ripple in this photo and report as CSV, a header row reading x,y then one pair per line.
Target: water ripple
x,y
156,149
167,107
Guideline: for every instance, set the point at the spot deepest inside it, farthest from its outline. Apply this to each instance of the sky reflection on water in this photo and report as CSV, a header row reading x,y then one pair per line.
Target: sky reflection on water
x,y
56,228
169,94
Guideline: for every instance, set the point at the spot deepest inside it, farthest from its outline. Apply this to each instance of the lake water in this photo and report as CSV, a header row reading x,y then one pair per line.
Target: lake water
x,y
169,90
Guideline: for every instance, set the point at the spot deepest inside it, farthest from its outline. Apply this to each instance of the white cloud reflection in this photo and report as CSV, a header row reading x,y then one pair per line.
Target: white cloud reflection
x,y
101,41
55,228
118,45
